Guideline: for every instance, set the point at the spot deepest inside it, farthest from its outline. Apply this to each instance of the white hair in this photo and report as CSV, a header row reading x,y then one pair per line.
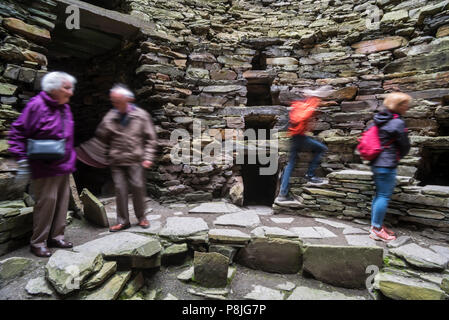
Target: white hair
x,y
123,90
54,80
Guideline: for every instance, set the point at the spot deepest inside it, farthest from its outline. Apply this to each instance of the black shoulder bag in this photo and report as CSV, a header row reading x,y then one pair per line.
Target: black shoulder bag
x,y
47,149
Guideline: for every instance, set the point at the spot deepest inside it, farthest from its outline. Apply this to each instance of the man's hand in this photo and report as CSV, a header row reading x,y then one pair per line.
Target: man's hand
x,y
146,164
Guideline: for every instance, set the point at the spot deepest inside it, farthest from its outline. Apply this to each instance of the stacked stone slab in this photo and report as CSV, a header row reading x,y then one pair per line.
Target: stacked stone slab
x,y
348,195
16,223
25,32
412,272
103,269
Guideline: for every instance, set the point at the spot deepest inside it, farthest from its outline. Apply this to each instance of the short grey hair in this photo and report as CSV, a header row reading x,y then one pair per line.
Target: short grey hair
x,y
54,80
123,90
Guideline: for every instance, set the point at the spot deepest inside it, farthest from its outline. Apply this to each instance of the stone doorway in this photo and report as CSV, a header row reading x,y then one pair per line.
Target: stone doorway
x,y
259,189
433,169
104,51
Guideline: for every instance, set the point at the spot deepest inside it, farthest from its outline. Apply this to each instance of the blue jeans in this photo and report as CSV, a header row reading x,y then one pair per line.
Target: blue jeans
x,y
385,180
299,143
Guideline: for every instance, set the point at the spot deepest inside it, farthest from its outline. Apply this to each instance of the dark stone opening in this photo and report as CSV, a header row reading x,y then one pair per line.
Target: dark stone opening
x,y
97,60
259,82
258,189
443,128
259,94
259,61
433,169
260,121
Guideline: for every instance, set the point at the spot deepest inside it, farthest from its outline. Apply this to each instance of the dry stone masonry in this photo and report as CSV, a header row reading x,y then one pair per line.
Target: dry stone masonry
x,y
212,70
218,68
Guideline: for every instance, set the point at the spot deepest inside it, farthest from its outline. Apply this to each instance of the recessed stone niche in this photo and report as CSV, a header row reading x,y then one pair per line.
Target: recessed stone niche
x,y
433,169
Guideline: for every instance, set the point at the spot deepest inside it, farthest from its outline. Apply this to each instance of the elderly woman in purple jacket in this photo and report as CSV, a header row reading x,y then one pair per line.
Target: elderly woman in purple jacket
x,y
47,116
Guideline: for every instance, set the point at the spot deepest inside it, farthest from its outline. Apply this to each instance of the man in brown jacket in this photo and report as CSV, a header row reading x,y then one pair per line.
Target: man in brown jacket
x,y
129,133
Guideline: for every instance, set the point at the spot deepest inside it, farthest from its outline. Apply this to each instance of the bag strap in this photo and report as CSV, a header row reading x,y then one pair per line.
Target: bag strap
x,y
395,116
389,143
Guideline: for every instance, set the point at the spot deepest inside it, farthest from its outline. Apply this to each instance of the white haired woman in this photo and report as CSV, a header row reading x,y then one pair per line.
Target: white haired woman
x,y
47,118
393,135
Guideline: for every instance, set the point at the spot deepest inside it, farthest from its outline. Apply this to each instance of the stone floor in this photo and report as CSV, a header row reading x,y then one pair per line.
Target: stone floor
x,y
184,220
251,219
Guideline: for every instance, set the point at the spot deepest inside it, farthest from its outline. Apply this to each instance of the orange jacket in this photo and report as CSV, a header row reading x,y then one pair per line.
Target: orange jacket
x,y
299,116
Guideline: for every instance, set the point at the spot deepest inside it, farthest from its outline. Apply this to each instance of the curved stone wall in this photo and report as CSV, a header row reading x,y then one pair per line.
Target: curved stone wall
x,y
215,62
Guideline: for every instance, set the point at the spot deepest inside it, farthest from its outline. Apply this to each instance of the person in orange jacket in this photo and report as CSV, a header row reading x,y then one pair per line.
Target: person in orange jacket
x,y
300,121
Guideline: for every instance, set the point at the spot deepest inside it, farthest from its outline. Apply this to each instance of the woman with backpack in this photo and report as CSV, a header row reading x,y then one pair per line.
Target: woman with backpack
x,y
393,136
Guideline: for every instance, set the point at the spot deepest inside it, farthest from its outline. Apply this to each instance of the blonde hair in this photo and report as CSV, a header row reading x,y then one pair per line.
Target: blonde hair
x,y
393,100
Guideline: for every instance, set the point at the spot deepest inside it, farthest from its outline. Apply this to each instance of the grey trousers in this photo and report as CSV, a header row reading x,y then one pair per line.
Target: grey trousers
x,y
134,175
50,211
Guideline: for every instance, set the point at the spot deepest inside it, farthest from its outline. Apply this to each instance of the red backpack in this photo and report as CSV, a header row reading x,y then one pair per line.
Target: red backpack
x,y
369,145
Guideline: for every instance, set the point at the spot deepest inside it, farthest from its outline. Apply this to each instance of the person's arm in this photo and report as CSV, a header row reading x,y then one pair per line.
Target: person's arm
x,y
102,131
150,141
402,139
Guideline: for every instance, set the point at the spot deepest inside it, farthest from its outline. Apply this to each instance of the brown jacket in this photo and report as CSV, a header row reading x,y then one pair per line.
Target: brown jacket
x,y
128,144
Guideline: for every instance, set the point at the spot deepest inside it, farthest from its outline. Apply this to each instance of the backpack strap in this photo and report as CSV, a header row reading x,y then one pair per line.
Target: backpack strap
x,y
389,143
395,116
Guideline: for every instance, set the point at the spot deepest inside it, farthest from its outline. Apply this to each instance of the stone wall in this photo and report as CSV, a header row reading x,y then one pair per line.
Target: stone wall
x,y
233,65
212,55
348,194
25,28
211,59
16,223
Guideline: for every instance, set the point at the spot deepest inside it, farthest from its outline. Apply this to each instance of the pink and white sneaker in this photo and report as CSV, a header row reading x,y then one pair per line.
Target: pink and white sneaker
x,y
380,235
389,231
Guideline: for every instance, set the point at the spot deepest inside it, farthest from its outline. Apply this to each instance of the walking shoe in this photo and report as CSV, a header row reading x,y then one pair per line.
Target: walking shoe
x,y
52,243
119,227
42,252
380,235
313,179
389,231
286,198
144,223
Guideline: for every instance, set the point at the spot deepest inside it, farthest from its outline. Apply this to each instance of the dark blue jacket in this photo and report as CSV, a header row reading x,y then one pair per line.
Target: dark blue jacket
x,y
391,128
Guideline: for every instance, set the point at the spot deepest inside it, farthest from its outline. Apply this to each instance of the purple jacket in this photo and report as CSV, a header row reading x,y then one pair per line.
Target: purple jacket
x,y
41,119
